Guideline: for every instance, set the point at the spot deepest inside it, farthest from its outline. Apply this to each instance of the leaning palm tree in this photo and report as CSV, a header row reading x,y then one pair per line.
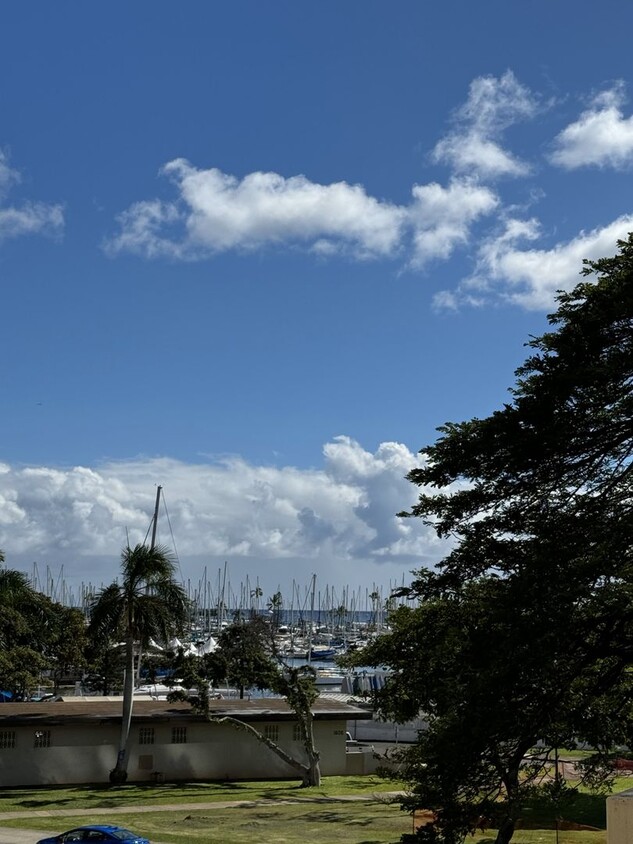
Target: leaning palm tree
x,y
147,604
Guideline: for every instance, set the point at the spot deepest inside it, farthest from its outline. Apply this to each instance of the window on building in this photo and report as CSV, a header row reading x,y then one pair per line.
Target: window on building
x,y
271,731
42,738
7,739
179,735
146,735
296,733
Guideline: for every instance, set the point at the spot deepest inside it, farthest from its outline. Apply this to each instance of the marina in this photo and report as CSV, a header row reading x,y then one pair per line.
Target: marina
x,y
216,601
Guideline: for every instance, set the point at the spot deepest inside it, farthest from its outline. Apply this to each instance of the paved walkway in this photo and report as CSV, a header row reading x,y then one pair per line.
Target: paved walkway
x,y
22,836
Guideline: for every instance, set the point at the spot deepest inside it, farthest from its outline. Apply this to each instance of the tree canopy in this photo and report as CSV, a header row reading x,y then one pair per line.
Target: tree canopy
x,y
523,633
244,656
36,635
247,655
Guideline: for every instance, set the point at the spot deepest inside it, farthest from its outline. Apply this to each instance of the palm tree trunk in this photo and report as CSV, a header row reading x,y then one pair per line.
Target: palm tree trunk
x,y
119,773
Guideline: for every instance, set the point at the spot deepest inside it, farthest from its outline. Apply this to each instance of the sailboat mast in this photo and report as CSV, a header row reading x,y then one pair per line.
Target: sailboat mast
x,y
155,519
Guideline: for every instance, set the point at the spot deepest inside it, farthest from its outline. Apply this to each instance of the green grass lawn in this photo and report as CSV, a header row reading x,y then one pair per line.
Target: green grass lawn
x,y
103,797
351,823
319,818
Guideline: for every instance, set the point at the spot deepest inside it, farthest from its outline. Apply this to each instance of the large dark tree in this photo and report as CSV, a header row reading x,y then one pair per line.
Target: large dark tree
x,y
524,632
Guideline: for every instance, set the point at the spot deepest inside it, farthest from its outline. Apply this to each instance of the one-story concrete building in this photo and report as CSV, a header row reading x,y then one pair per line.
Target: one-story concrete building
x,y
75,741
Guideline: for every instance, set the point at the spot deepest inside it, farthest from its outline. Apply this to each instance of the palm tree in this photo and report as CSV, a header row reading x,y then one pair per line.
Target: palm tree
x,y
275,605
147,604
14,585
256,593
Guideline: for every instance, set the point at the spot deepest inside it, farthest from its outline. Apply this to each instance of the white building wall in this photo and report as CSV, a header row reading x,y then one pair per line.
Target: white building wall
x,y
86,753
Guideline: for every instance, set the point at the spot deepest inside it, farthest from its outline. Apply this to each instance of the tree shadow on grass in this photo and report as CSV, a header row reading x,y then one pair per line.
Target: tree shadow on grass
x,y
583,809
103,796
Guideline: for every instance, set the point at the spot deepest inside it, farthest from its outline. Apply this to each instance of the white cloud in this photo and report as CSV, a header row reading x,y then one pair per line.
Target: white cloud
x,y
229,509
492,106
601,136
442,217
31,218
217,212
141,230
8,176
28,218
470,153
530,278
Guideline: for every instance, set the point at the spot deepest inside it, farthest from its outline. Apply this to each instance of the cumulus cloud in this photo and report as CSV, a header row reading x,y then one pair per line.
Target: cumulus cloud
x,y
345,511
493,105
530,277
442,217
213,212
216,212
28,218
601,137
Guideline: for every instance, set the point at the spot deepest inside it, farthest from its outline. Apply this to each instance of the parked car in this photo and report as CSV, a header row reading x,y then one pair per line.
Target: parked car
x,y
97,832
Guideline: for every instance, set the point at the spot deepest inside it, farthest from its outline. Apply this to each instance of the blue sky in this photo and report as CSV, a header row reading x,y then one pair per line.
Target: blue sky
x,y
257,252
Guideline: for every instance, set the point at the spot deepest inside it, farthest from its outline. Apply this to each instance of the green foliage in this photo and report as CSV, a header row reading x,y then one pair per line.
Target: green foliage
x,y
147,604
68,642
275,605
524,633
20,669
244,656
36,635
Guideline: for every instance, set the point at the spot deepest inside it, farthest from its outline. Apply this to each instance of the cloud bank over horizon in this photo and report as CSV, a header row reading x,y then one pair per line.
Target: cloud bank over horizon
x,y
227,508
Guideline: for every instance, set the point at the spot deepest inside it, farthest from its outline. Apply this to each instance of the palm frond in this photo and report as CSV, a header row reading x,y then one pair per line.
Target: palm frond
x,y
107,612
142,565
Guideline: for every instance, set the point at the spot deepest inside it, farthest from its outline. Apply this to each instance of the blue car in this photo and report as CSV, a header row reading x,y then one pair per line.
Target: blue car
x,y
96,832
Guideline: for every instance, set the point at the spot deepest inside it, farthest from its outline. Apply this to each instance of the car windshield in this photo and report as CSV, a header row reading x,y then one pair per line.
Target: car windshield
x,y
124,835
